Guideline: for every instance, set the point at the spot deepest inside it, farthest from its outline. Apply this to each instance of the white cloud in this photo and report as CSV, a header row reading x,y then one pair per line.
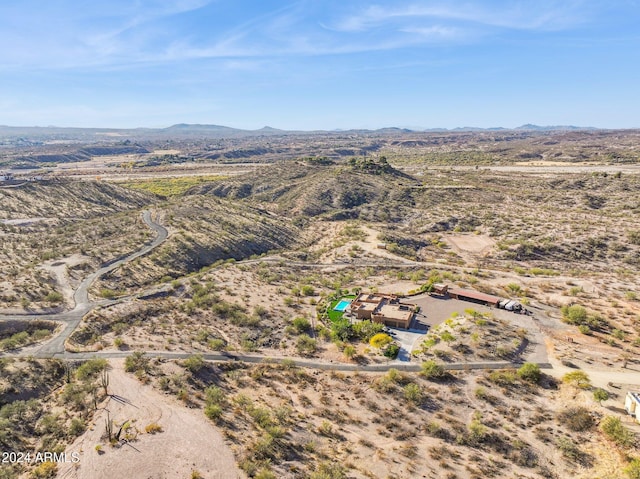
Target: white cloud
x,y
520,15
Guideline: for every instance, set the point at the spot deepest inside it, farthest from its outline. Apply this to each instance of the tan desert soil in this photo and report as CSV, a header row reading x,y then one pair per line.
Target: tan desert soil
x,y
188,441
471,243
59,269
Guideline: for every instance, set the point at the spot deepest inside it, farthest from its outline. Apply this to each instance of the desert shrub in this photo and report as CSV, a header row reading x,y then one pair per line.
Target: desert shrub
x,y
413,393
613,428
54,297
215,395
447,337
74,395
391,351
137,361
618,334
476,431
328,470
217,344
213,411
577,378
569,449
349,351
633,469
504,377
432,370
76,427
153,428
634,237
308,290
194,363
46,470
306,344
265,474
584,329
90,369
574,314
365,330
530,372
600,395
341,330
108,293
261,416
380,340
576,418
301,324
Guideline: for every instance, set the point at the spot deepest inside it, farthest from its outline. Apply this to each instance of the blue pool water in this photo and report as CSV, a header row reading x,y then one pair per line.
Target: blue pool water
x,y
342,305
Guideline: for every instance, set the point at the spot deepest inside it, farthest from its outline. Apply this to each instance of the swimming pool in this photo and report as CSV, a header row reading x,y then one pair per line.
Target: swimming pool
x,y
342,305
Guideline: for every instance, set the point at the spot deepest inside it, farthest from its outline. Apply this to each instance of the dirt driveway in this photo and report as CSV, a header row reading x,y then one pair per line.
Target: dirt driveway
x,y
189,441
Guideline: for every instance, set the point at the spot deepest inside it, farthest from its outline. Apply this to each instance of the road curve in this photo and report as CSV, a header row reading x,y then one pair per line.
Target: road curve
x,y
71,319
81,296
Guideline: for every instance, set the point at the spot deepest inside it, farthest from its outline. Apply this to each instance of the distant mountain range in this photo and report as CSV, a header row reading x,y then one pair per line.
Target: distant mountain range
x,y
218,131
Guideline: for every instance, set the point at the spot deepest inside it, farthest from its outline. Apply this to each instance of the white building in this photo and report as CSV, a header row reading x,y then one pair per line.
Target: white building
x,y
632,404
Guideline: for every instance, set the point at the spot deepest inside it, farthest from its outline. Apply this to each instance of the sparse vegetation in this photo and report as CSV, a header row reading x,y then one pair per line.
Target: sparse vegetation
x,y
309,228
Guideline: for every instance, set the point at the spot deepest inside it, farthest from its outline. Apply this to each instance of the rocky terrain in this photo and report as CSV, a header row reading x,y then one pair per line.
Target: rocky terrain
x,y
226,324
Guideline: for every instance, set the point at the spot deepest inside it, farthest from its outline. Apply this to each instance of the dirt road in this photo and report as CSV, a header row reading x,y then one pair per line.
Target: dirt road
x,y
188,441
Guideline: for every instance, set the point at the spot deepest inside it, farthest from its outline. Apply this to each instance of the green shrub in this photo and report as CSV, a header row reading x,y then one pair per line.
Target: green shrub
x,y
54,297
91,368
413,393
194,363
76,427
504,377
600,395
633,469
215,395
137,361
613,428
217,344
328,470
584,329
308,290
46,470
577,378
306,344
301,324
574,314
365,330
530,372
213,411
432,370
391,351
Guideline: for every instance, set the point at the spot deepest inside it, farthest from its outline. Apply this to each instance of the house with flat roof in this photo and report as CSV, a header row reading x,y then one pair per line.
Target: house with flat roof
x,y
383,308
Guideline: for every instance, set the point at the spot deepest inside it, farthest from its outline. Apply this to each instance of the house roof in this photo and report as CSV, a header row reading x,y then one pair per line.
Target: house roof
x,y
393,311
467,293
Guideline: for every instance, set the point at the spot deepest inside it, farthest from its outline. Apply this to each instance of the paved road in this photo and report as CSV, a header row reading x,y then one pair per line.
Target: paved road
x,y
71,319
306,363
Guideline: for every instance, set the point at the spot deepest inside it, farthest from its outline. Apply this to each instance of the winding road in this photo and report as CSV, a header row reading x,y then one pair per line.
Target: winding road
x,y
71,319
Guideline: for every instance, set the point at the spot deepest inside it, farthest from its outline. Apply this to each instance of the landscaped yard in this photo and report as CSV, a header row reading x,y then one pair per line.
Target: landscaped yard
x,y
332,313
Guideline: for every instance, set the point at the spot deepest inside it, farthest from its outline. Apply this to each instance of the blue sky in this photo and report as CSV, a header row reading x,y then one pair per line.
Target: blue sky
x,y
320,64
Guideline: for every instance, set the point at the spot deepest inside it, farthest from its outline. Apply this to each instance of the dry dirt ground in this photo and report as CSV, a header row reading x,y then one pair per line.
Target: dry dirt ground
x,y
188,441
470,245
59,269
